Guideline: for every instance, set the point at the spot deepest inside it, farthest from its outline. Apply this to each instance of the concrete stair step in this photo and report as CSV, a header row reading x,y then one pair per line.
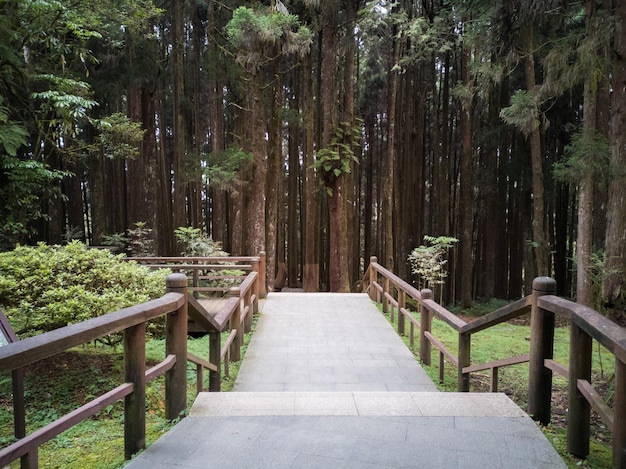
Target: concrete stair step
x,y
415,404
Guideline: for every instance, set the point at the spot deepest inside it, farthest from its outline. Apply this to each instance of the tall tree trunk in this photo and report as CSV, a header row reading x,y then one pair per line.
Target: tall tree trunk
x,y
466,185
613,285
194,187
538,222
136,199
294,225
255,222
337,260
150,158
178,40
310,274
387,253
274,177
584,238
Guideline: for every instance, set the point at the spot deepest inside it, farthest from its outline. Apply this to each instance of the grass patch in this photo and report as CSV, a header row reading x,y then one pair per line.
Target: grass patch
x,y
59,385
511,339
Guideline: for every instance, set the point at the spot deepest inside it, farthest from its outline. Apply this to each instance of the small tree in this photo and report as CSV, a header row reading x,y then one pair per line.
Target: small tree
x,y
429,261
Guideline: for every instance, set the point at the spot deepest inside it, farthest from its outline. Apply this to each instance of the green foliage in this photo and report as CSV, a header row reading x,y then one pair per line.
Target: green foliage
x,y
429,261
336,160
120,137
257,35
587,153
224,167
62,106
524,112
136,242
22,182
198,243
46,287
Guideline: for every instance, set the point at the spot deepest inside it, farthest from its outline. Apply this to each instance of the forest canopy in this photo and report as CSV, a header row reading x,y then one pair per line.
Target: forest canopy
x,y
326,132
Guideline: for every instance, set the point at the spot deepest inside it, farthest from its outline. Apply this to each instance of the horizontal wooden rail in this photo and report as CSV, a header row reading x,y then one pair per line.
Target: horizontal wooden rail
x,y
33,349
442,348
497,363
586,325
44,434
201,361
596,401
556,367
235,316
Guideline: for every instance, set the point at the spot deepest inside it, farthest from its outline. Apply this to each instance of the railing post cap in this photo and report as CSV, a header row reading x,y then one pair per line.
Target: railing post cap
x,y
234,291
373,259
426,293
177,280
544,285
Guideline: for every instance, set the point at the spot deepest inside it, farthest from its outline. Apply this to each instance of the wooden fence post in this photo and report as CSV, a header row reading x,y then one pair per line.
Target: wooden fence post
x,y
135,402
215,352
401,307
463,379
176,344
619,412
235,323
579,409
385,293
373,279
256,287
425,325
263,275
541,348
247,303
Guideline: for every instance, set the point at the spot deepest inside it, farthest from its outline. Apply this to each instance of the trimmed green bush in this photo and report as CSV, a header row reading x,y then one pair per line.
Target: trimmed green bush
x,y
46,287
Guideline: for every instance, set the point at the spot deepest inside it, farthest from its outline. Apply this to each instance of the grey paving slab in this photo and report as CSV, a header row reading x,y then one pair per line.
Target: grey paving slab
x,y
350,442
327,383
327,342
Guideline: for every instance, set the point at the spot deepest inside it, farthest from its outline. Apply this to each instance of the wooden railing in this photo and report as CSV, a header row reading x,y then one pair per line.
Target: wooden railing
x,y
234,316
586,324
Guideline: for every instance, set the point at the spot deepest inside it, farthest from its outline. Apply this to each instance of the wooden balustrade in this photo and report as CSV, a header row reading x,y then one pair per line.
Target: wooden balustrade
x,y
235,317
586,324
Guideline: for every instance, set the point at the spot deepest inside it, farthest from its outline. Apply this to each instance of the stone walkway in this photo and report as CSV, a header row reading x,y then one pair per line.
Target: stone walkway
x,y
327,383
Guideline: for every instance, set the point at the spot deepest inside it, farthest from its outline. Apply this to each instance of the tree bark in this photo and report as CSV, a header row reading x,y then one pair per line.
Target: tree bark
x,y
613,285
178,40
466,185
538,228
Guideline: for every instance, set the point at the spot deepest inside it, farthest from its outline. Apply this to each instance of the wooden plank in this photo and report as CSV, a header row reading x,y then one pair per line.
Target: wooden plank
x,y
37,438
397,281
556,367
194,259
605,331
199,314
596,401
160,368
229,340
217,267
33,349
442,348
213,305
506,313
442,313
201,361
497,363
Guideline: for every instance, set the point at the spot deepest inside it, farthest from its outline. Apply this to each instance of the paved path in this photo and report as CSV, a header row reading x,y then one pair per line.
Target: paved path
x,y
327,383
327,342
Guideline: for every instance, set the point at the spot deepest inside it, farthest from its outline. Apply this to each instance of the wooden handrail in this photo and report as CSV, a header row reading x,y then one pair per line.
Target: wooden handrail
x,y
586,324
33,349
235,316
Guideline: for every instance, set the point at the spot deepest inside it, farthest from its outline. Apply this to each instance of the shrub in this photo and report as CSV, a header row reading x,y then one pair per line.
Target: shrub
x,y
46,287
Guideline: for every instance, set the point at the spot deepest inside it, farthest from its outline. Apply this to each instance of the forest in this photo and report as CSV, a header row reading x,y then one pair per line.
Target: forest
x,y
326,132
